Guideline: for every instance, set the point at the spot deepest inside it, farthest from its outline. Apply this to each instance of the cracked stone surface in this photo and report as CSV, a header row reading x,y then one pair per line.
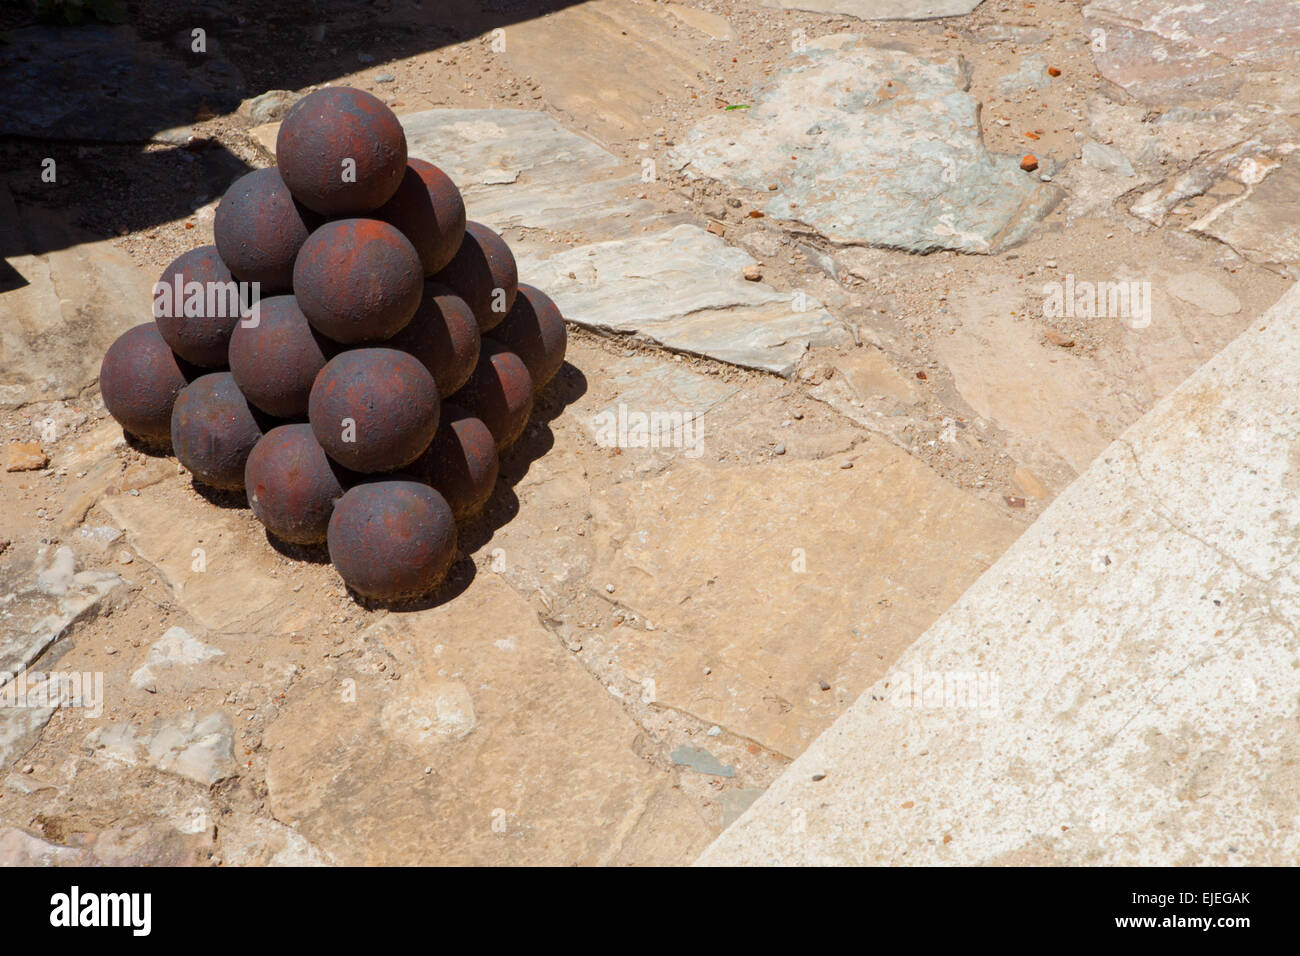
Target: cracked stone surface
x,y
177,649
64,308
718,600
724,316
1164,575
196,748
548,177
1165,51
842,584
882,9
500,709
873,146
521,169
1263,225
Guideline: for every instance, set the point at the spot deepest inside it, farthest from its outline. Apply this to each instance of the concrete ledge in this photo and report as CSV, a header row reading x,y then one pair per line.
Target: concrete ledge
x,y
1122,687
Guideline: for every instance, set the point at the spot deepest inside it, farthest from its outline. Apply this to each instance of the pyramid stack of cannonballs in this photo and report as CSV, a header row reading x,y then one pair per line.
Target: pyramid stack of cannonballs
x,y
352,353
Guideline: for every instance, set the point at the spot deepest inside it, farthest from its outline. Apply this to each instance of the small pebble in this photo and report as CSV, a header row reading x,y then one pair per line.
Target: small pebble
x,y
609,588
823,685
846,464
818,776
714,731
797,416
779,450
125,558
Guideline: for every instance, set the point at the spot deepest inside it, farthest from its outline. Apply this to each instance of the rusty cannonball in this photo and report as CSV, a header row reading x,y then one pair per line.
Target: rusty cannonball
x,y
374,410
292,485
534,330
443,335
500,392
139,380
484,274
461,461
358,280
429,210
197,303
214,430
341,152
259,228
276,360
392,540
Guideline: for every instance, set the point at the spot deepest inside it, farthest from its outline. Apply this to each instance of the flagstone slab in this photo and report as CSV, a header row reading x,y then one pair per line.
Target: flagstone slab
x,y
684,288
1168,51
872,146
882,9
764,582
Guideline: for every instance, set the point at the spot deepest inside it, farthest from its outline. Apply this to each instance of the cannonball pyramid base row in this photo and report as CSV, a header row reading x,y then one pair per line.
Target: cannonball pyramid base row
x,y
330,354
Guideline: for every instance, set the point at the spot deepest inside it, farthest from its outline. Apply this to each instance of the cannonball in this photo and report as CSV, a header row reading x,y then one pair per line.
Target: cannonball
x,y
461,462
214,430
392,540
358,280
196,304
374,409
259,228
341,152
534,330
443,335
429,210
500,392
139,380
276,359
484,274
292,485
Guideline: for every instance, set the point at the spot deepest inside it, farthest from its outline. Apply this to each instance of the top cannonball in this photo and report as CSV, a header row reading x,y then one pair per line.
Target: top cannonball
x,y
341,152
259,228
429,211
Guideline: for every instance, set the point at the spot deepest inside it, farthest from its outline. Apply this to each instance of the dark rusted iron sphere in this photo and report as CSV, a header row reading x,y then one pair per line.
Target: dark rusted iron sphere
x,y
500,392
484,274
392,540
275,362
259,228
197,303
534,330
341,152
139,380
374,410
443,335
429,211
358,280
292,485
461,461
214,430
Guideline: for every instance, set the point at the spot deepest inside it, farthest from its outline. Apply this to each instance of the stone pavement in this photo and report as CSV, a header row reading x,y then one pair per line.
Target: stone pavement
x,y
1119,689
641,635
